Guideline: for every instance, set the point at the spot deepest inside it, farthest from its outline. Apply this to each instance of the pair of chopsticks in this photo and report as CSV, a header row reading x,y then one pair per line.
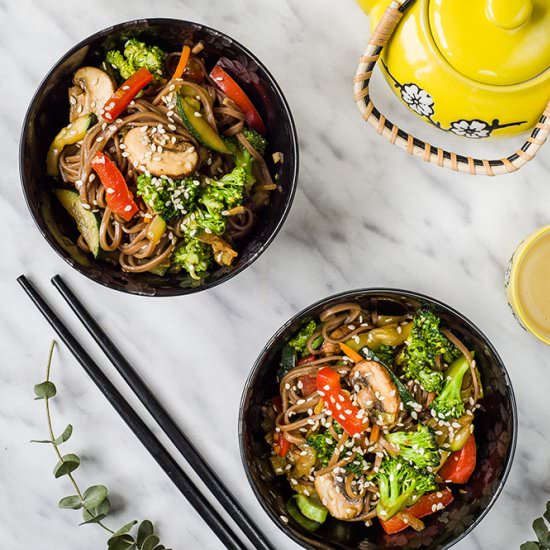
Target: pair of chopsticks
x,y
159,413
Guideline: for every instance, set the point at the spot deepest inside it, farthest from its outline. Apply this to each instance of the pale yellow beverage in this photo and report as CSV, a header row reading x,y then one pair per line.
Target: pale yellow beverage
x,y
528,284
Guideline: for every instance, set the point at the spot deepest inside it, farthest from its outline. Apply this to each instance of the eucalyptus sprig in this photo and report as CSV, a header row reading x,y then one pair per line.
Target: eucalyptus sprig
x,y
93,501
541,530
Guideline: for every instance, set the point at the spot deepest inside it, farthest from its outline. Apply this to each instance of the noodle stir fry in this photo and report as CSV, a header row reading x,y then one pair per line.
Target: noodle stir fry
x,y
374,418
162,165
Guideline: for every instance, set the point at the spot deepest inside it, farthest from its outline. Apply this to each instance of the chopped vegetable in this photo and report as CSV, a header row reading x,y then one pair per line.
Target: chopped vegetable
x,y
281,445
424,344
461,464
324,445
198,126
195,257
118,197
311,508
448,403
137,55
417,447
156,230
344,412
299,342
426,505
227,85
400,485
406,397
298,517
71,134
288,360
122,97
182,63
86,221
353,355
308,384
166,196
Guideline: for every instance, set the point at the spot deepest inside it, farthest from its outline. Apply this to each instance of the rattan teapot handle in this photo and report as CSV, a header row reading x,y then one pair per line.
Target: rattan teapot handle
x,y
417,147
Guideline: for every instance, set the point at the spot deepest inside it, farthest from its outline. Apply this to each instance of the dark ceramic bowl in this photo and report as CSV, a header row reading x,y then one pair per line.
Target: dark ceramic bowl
x,y
495,428
48,113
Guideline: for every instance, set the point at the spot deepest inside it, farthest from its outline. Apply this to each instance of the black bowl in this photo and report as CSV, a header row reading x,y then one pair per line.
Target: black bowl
x,y
496,427
48,113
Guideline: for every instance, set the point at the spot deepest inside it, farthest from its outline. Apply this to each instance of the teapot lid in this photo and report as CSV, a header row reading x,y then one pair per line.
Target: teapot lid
x,y
498,42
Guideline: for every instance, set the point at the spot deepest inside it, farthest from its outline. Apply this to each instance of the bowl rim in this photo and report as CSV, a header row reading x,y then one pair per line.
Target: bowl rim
x,y
343,296
293,178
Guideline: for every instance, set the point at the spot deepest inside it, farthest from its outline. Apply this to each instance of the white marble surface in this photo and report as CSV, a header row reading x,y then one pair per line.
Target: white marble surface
x,y
364,215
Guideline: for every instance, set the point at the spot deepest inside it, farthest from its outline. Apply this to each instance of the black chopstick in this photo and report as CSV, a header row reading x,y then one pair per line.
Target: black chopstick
x,y
163,419
135,423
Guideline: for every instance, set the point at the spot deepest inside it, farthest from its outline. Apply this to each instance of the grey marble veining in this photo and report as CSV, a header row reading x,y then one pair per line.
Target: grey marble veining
x,y
365,215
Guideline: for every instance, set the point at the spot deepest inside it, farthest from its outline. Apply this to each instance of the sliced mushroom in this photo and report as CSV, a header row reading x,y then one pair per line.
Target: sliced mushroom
x,y
377,391
335,498
92,88
159,154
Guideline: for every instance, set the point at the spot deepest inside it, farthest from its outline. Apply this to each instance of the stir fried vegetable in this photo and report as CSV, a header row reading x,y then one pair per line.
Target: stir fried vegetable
x,y
135,56
400,485
356,425
171,198
425,343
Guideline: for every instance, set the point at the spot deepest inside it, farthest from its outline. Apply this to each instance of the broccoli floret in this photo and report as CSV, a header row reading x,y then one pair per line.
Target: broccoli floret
x,y
171,198
228,191
449,404
324,445
136,55
423,345
400,485
299,342
256,140
243,159
193,256
418,448
117,61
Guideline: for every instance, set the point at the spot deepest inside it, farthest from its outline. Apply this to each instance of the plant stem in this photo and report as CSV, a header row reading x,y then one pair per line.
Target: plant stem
x,y
56,447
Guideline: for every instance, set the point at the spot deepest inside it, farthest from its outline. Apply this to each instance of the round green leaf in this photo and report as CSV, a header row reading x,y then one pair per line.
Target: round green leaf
x,y
160,547
121,542
67,432
125,529
96,514
94,496
529,546
45,390
72,503
150,542
69,463
145,529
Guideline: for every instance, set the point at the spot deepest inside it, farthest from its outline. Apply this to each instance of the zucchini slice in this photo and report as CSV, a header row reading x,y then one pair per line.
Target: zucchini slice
x,y
86,221
199,127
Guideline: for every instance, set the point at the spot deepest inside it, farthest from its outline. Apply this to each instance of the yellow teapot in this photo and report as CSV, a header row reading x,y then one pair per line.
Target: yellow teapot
x,y
477,68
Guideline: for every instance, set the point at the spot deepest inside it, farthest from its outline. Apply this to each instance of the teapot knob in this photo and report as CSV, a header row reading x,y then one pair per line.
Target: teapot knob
x,y
509,14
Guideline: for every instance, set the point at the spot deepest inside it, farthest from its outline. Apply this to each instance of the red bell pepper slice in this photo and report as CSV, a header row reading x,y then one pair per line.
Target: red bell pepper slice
x,y
461,464
281,445
229,87
339,403
305,360
117,195
124,95
426,505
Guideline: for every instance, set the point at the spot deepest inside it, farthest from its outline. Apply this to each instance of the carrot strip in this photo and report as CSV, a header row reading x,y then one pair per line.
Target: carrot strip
x,y
374,434
184,58
352,354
